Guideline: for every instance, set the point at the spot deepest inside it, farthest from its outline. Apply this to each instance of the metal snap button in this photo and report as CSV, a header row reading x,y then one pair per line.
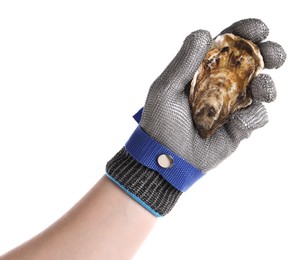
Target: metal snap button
x,y
165,161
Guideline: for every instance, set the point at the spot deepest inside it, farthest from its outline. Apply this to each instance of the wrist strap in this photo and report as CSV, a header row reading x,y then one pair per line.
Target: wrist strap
x,y
147,151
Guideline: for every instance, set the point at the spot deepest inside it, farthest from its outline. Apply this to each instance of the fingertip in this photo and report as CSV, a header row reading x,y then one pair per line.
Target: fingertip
x,y
199,40
273,54
187,61
199,35
194,49
263,88
252,29
248,119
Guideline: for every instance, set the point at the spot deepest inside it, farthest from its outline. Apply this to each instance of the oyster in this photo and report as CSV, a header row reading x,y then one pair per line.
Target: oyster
x,y
221,85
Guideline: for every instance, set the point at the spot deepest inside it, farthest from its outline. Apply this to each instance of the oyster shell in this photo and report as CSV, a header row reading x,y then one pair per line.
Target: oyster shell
x,y
221,85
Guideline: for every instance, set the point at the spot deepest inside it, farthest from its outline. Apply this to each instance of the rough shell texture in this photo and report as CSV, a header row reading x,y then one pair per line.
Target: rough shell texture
x,y
221,85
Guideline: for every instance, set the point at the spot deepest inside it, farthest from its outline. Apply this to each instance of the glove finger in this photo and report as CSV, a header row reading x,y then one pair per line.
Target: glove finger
x,y
263,88
246,120
273,54
251,29
182,68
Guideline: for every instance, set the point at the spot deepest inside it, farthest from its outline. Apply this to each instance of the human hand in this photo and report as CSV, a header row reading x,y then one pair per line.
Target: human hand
x,y
167,115
166,127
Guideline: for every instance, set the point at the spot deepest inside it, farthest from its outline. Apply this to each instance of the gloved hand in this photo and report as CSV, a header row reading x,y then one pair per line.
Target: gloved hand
x,y
138,168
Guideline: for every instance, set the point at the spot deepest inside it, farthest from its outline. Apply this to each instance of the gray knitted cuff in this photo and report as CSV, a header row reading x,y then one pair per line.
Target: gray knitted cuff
x,y
146,186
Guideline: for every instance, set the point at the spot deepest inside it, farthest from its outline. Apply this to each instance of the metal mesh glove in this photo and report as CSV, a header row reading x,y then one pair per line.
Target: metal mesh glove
x,y
167,118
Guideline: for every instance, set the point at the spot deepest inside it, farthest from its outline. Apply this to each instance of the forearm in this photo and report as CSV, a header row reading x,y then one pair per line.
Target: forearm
x,y
105,224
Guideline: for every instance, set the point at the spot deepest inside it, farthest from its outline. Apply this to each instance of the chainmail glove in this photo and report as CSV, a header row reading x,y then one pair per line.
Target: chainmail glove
x,y
167,131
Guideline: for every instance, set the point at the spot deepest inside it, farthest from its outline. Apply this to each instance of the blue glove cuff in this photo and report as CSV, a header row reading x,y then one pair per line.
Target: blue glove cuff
x,y
147,151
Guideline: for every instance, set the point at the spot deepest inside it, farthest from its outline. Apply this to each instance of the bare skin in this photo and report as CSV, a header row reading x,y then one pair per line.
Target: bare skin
x,y
105,224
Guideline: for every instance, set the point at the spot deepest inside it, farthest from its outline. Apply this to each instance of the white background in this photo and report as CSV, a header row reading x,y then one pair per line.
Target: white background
x,y
72,73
